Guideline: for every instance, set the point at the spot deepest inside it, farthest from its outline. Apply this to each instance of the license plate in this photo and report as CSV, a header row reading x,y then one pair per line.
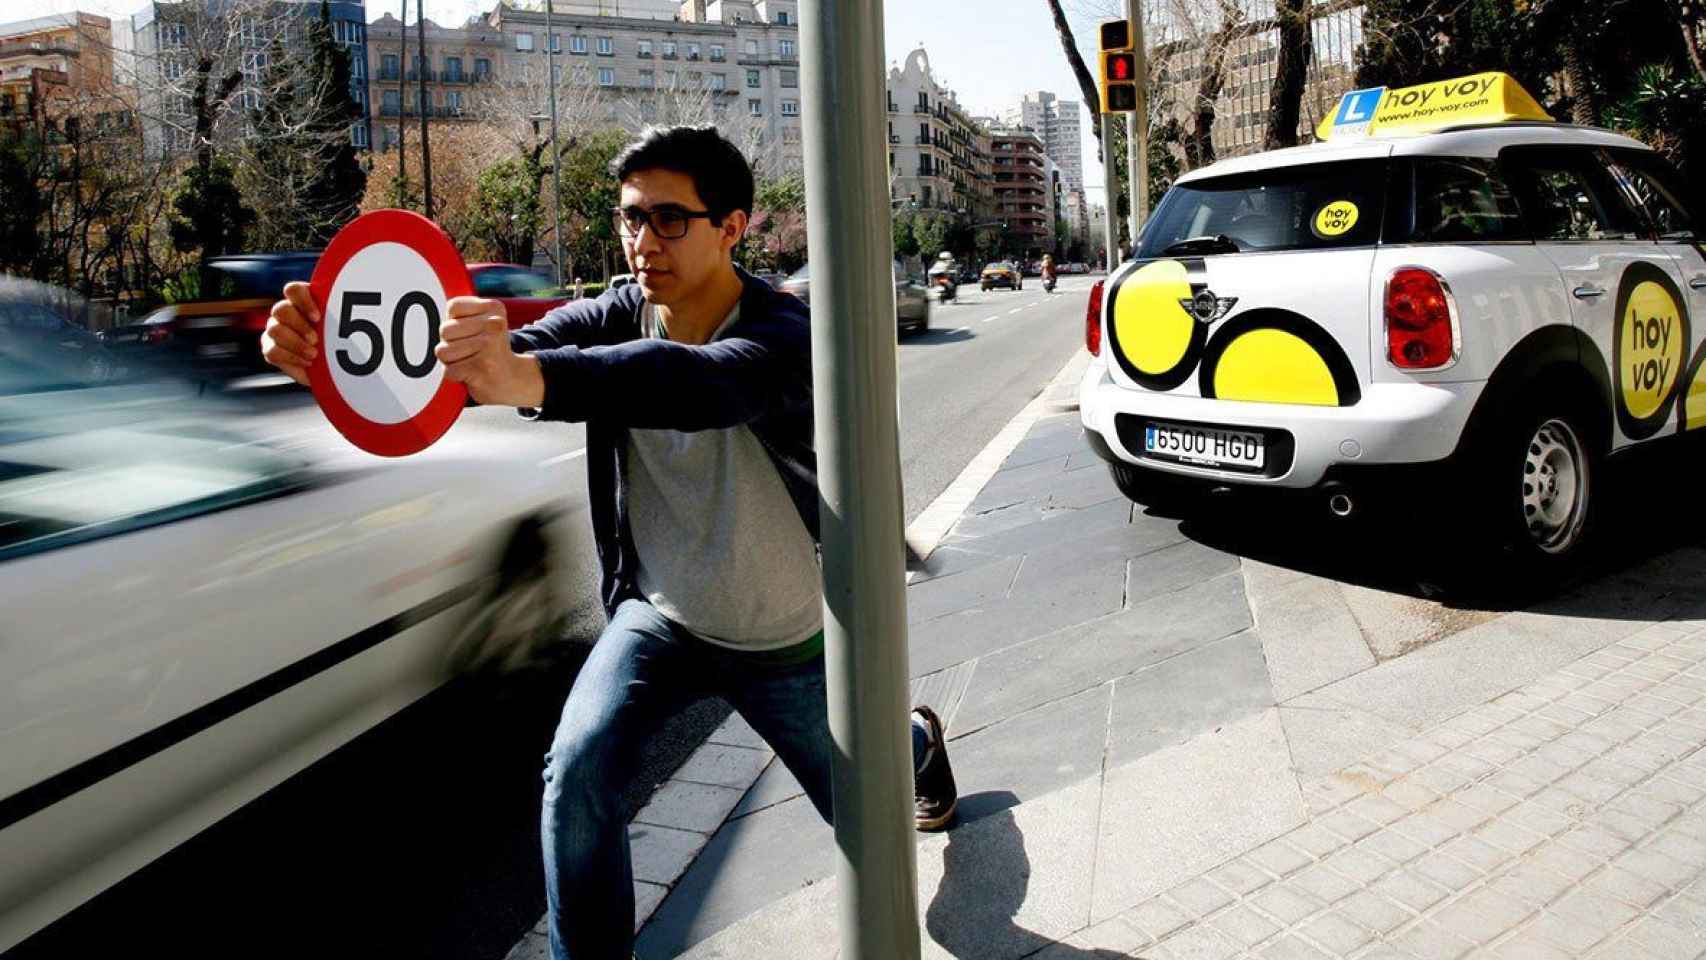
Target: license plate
x,y
216,350
1205,446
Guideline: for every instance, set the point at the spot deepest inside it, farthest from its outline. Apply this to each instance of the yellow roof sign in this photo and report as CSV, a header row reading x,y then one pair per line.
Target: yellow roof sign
x,y
1381,111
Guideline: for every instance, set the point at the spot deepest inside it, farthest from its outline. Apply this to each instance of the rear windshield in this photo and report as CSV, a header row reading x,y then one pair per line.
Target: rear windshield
x,y
1308,207
258,279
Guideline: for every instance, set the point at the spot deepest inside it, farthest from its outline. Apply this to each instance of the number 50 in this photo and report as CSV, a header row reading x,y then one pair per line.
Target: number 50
x,y
350,325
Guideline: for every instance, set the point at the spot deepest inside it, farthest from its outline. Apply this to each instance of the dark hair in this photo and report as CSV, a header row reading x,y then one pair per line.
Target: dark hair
x,y
719,172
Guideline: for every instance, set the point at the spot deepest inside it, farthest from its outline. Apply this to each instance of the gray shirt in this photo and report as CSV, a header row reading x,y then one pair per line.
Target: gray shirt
x,y
721,546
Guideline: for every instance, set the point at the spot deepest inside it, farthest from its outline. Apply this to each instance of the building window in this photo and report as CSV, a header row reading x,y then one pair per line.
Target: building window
x,y
790,108
524,41
388,101
792,135
790,78
785,48
452,69
482,69
643,49
717,53
453,102
695,79
648,78
669,49
782,17
577,43
752,79
719,81
752,48
693,51
755,108
358,135
606,77
388,67
606,47
669,79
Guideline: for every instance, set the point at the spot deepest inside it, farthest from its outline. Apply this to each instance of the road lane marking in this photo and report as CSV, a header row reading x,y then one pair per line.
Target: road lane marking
x,y
1015,310
572,454
991,319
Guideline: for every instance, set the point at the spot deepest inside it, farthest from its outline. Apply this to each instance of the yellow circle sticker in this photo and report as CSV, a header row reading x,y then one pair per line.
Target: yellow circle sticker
x,y
1651,355
1335,219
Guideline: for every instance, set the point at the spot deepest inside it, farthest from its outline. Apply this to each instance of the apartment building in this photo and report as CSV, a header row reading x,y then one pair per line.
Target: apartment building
x,y
1177,55
48,64
1023,190
458,61
939,155
1059,124
739,57
168,38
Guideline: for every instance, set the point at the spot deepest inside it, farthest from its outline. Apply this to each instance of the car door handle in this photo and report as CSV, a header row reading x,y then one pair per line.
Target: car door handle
x,y
1588,291
1698,282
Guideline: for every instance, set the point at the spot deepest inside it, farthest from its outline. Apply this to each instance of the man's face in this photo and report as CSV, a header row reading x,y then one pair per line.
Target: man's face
x,y
672,270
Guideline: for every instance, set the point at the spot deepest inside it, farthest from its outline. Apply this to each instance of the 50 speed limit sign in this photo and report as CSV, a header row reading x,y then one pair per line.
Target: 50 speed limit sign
x,y
382,285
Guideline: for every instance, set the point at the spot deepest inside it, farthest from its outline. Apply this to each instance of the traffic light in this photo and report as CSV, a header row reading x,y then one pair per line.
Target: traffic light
x,y
1119,68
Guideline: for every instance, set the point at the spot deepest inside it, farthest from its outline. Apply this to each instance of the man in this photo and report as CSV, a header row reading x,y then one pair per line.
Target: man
x,y
695,385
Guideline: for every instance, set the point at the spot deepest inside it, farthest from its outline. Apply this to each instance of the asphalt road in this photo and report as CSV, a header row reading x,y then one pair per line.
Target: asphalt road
x,y
420,839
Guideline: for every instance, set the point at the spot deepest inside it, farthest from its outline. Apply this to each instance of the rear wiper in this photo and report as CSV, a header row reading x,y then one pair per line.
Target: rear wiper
x,y
1219,243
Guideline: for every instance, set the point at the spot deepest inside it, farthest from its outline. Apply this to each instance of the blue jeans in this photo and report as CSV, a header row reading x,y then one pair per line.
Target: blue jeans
x,y
644,670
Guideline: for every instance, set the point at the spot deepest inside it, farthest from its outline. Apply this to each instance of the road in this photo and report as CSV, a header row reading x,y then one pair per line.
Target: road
x,y
420,839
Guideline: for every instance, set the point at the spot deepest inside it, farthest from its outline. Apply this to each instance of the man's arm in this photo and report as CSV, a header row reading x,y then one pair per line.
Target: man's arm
x,y
663,385
577,323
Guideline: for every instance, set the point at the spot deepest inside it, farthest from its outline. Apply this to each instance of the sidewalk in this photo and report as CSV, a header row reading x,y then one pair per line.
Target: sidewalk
x,y
1168,751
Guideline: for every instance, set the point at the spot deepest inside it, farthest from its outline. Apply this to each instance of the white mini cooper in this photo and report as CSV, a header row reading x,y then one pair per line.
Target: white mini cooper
x,y
1506,300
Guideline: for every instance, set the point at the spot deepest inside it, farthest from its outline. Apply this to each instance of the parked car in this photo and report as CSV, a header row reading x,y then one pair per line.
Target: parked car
x,y
45,328
1465,318
219,332
911,297
192,616
1001,273
526,294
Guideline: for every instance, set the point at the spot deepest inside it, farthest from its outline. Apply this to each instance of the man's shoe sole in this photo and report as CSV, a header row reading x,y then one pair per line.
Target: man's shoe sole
x,y
936,823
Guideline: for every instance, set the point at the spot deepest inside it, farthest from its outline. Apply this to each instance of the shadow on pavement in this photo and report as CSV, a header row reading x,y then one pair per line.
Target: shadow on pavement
x,y
985,877
1639,522
936,337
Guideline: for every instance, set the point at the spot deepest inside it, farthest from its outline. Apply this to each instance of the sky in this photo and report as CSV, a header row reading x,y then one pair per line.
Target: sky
x,y
990,52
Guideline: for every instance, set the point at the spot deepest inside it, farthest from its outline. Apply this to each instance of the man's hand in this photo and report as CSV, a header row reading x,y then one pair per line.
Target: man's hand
x,y
289,341
474,348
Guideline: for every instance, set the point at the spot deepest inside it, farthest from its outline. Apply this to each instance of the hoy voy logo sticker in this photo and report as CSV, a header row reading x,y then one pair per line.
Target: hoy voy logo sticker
x,y
1650,343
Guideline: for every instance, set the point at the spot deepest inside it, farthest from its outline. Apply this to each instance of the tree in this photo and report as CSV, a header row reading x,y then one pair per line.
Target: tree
x,y
1086,80
507,212
22,207
1290,72
333,196
905,240
1199,144
209,216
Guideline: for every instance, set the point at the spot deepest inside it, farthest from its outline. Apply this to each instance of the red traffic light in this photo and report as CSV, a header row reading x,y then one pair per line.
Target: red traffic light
x,y
1121,67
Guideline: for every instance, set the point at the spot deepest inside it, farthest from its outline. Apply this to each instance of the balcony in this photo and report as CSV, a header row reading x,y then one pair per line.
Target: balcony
x,y
718,58
417,75
921,110
392,74
894,138
457,77
644,54
921,140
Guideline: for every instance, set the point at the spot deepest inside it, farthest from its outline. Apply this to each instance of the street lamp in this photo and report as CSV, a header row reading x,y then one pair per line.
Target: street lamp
x,y
556,180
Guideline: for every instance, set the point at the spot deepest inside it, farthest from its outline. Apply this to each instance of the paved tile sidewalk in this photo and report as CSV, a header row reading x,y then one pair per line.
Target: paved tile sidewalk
x,y
1567,819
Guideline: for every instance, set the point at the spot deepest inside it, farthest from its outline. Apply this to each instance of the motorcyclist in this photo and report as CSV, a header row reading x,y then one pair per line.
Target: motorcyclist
x,y
944,275
1048,272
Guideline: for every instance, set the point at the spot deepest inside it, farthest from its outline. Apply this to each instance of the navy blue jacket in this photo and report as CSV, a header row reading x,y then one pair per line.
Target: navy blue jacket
x,y
599,368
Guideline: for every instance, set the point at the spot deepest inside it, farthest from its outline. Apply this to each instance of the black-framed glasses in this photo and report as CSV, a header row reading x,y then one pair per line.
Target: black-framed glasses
x,y
667,222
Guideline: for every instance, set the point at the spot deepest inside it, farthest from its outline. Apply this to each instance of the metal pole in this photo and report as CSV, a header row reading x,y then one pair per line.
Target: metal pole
x,y
402,98
1111,192
556,157
1137,124
426,106
851,244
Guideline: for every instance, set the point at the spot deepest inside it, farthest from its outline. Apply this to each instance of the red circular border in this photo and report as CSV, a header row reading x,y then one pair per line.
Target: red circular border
x,y
435,246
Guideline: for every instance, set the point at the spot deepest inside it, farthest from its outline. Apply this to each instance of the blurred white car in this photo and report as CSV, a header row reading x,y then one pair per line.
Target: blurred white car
x,y
191,617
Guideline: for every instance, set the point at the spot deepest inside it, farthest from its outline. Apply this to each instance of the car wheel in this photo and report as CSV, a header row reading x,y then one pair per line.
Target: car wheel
x,y
1539,474
520,613
1150,488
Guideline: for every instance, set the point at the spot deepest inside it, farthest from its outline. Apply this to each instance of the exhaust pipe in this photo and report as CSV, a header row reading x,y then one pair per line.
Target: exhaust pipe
x,y
1339,501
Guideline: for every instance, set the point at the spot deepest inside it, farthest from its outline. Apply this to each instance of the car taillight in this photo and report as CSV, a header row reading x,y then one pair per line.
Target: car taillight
x,y
1420,331
1093,320
157,333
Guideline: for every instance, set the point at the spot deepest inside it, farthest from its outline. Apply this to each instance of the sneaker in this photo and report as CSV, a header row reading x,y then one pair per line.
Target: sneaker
x,y
934,795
